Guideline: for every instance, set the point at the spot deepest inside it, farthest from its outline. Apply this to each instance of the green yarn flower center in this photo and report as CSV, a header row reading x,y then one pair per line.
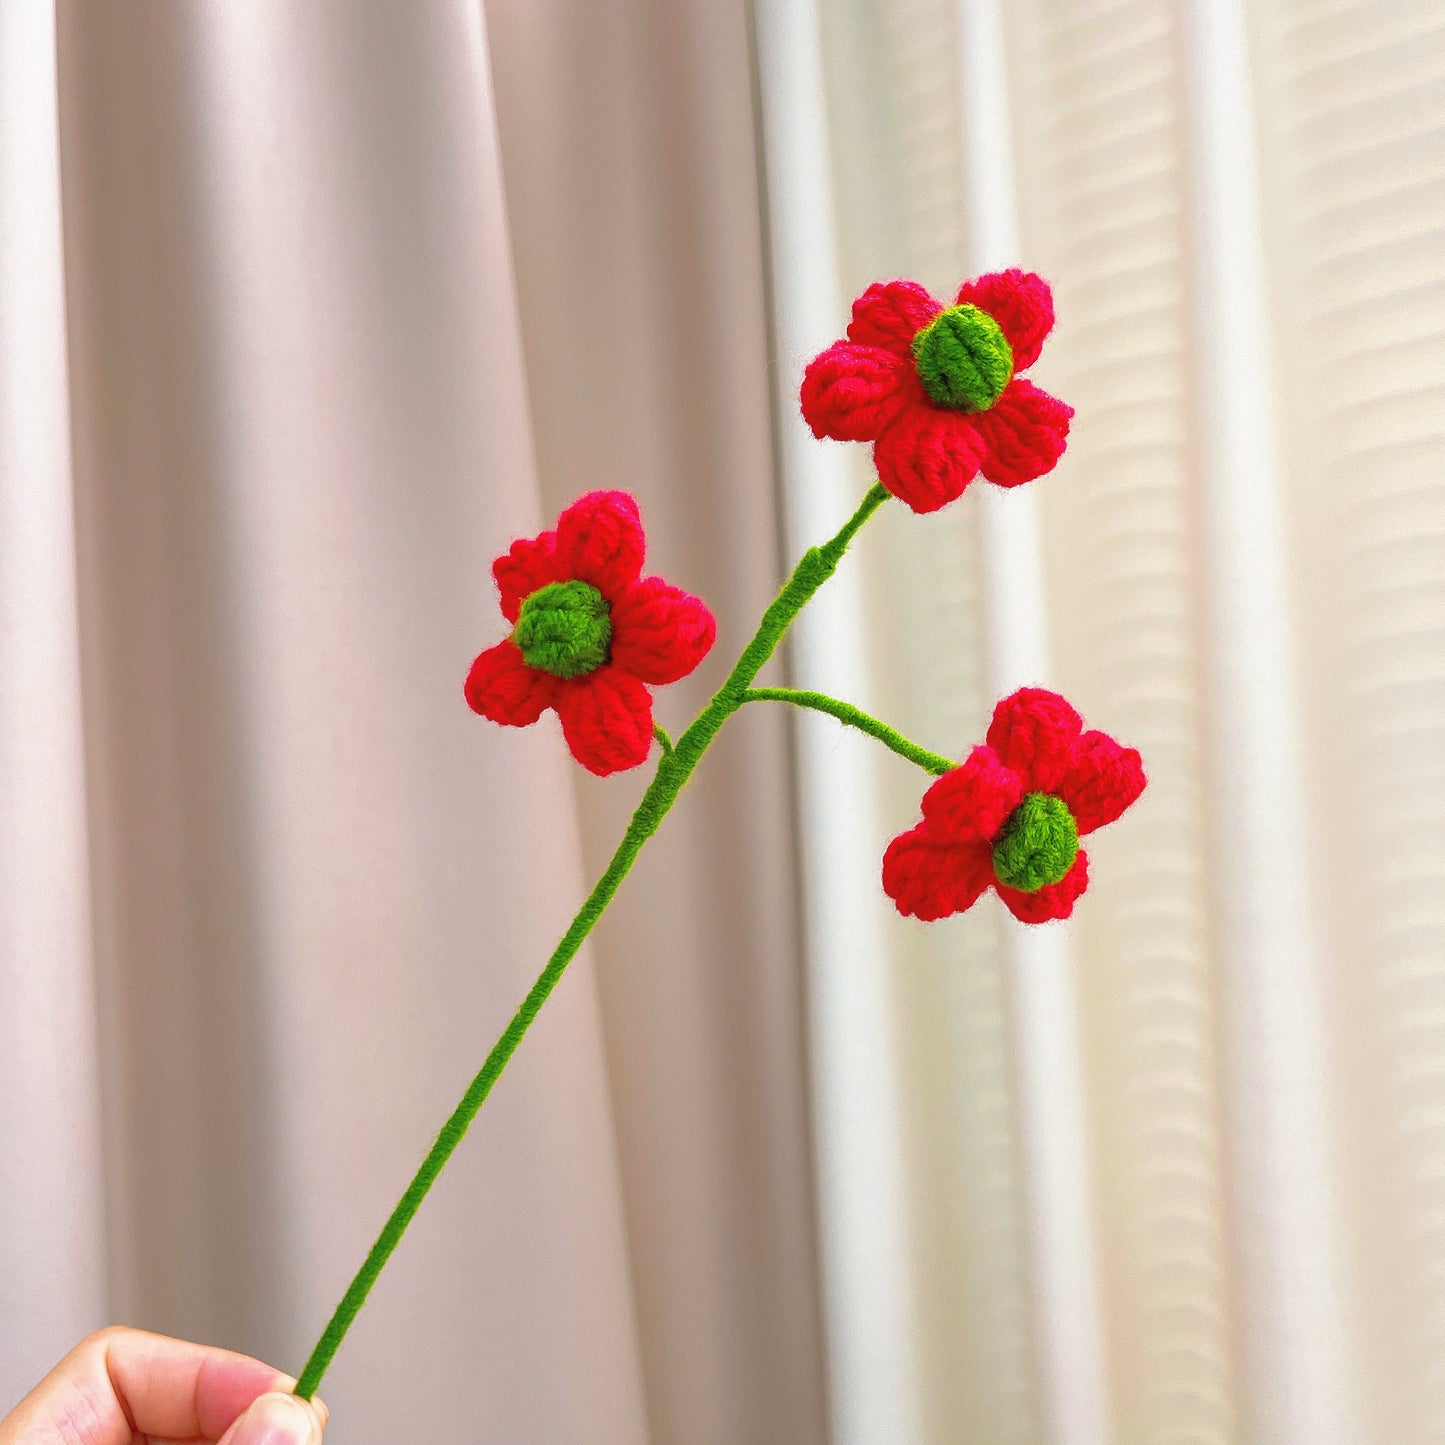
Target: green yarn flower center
x,y
565,628
963,359
1038,844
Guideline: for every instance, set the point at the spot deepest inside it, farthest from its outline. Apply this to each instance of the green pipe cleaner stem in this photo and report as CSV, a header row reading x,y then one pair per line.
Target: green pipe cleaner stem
x,y
663,741
674,768
845,712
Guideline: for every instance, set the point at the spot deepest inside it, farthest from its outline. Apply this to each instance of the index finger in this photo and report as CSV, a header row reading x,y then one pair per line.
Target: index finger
x,y
179,1390
120,1384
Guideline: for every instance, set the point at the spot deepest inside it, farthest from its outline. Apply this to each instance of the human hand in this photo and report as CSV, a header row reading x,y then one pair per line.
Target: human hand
x,y
124,1387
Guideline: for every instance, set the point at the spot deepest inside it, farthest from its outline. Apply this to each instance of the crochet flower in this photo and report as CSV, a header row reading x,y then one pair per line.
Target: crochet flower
x,y
1011,816
590,634
937,391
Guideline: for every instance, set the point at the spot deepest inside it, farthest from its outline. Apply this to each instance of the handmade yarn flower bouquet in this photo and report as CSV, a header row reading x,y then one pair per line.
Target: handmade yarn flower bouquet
x,y
937,391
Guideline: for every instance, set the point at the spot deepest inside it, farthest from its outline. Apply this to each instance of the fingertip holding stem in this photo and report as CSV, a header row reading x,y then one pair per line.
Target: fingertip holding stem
x,y
278,1420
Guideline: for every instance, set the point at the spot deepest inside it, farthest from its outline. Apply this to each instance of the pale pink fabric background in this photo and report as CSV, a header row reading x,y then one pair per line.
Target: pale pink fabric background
x,y
271,381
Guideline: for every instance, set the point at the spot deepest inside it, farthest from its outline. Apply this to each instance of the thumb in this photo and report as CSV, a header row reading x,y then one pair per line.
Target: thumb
x,y
276,1420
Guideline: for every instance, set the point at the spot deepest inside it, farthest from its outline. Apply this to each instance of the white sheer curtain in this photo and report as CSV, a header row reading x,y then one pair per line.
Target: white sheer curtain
x,y
1240,567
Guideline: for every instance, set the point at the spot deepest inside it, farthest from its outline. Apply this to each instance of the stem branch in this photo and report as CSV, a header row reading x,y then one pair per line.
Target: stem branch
x,y
853,717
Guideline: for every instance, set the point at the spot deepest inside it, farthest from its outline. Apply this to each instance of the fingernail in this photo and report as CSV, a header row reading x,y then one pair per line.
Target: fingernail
x,y
277,1420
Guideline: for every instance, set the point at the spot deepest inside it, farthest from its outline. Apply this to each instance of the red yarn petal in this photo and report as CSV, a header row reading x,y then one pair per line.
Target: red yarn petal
x,y
1021,303
1035,732
503,688
928,456
530,564
890,314
1025,432
972,803
600,540
659,632
851,392
1100,780
1055,901
606,719
928,879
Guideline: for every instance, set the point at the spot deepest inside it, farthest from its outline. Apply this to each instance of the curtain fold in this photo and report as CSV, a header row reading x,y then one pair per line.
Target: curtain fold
x,y
872,1335
52,1228
300,425
630,152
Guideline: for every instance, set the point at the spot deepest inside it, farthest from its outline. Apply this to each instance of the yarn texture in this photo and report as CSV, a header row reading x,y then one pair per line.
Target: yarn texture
x,y
565,628
1038,844
937,391
963,359
590,634
1011,815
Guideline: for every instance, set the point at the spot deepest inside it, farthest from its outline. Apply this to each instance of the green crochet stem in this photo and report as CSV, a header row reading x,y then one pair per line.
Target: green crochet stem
x,y
845,712
673,770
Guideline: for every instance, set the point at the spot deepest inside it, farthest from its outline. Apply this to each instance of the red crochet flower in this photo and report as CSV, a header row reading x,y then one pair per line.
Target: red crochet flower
x,y
937,391
590,634
1011,815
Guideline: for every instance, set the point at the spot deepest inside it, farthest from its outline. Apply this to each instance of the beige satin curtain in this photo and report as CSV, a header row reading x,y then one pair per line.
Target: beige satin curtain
x,y
304,311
